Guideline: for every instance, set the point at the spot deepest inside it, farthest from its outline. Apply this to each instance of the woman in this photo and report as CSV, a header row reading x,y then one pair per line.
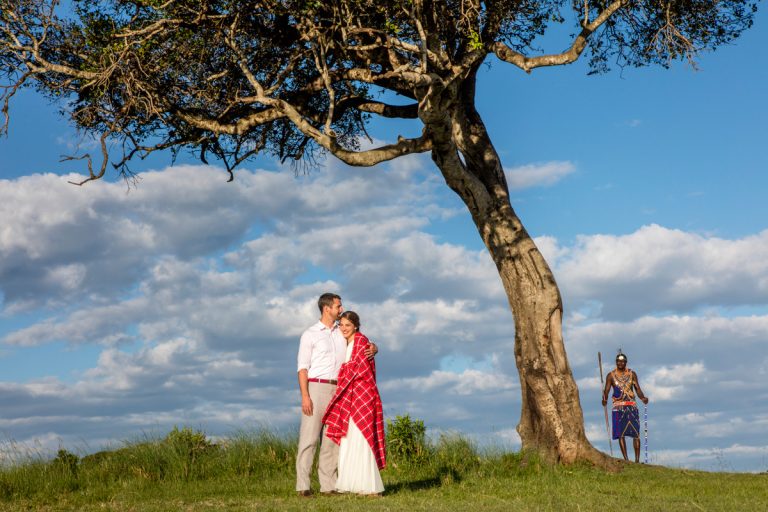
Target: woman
x,y
354,418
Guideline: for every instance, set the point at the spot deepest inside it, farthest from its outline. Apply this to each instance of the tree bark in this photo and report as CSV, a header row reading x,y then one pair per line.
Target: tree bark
x,y
551,421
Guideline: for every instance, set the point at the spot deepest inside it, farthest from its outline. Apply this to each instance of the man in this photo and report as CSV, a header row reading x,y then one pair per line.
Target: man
x,y
322,351
625,418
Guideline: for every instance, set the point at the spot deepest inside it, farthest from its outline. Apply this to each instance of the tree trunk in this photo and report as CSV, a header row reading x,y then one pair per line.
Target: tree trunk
x,y
551,421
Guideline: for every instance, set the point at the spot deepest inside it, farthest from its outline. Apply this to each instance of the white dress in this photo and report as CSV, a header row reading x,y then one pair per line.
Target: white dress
x,y
358,471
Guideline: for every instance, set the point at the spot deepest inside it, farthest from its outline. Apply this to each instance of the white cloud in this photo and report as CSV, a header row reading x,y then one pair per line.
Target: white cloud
x,y
676,382
590,383
538,175
695,418
656,269
468,382
100,238
507,438
597,434
723,340
716,425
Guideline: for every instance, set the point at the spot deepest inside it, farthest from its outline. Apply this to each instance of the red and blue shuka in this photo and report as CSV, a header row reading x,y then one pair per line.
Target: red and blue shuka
x,y
626,418
358,398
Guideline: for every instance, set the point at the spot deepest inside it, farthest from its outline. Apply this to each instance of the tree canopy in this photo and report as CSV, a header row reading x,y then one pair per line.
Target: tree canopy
x,y
290,77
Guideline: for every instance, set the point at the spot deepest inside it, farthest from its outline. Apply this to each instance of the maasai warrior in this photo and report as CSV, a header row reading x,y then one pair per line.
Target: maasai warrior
x,y
354,418
626,419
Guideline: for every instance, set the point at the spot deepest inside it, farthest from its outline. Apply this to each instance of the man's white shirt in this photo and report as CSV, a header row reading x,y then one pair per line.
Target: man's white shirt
x,y
322,351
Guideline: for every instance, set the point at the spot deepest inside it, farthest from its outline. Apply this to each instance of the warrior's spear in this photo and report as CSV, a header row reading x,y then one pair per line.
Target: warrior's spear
x,y
605,408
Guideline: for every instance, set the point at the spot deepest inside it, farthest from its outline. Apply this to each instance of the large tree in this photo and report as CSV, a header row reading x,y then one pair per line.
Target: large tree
x,y
294,78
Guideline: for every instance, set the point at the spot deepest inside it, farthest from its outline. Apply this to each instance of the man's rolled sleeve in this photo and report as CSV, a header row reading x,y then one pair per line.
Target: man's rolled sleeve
x,y
305,353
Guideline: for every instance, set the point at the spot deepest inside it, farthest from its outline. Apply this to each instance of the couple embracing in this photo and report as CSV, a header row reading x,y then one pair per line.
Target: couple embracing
x,y
337,379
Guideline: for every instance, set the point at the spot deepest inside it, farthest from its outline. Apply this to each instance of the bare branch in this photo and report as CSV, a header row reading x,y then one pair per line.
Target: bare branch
x,y
670,41
406,74
416,15
242,61
321,63
239,127
8,93
507,54
372,157
377,107
104,161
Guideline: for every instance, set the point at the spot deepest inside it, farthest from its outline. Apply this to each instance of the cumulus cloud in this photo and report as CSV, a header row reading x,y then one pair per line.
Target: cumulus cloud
x,y
58,240
667,383
658,270
679,355
538,175
468,382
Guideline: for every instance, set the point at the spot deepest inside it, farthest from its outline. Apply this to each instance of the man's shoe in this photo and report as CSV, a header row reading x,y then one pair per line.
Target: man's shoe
x,y
305,494
330,493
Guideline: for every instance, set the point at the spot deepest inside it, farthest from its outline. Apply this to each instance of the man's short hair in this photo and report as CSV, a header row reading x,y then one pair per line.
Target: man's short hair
x,y
326,299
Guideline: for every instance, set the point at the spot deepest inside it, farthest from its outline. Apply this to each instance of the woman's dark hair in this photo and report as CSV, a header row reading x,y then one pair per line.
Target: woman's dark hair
x,y
352,317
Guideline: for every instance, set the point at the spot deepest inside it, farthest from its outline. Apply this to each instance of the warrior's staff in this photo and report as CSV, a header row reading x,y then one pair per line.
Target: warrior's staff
x,y
605,407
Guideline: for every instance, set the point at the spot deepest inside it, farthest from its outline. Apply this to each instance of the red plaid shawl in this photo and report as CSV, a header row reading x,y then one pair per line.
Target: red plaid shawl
x,y
358,398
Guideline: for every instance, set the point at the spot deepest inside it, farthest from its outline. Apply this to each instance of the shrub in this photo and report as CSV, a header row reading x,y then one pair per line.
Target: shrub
x,y
186,440
406,439
189,446
66,462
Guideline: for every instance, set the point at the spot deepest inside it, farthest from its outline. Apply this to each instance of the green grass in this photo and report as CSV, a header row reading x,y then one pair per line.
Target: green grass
x,y
255,471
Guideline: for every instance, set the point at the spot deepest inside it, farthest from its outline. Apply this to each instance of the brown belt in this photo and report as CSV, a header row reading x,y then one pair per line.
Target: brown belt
x,y
324,381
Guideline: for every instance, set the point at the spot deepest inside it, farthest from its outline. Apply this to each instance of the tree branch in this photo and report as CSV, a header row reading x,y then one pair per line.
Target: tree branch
x,y
377,107
572,54
240,127
104,161
8,92
375,156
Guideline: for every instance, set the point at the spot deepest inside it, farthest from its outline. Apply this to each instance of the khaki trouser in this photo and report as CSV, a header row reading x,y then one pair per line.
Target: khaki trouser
x,y
309,432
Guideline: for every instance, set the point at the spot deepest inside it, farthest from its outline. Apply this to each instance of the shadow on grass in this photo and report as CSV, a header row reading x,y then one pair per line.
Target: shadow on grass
x,y
443,477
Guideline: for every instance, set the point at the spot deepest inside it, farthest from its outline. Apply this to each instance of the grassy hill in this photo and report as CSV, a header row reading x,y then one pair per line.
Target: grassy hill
x,y
186,471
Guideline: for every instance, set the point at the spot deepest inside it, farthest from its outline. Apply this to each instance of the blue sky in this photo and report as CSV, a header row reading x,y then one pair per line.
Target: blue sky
x,y
181,301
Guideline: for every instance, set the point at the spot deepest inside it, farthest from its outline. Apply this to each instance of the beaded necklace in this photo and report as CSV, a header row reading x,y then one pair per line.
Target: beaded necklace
x,y
623,381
